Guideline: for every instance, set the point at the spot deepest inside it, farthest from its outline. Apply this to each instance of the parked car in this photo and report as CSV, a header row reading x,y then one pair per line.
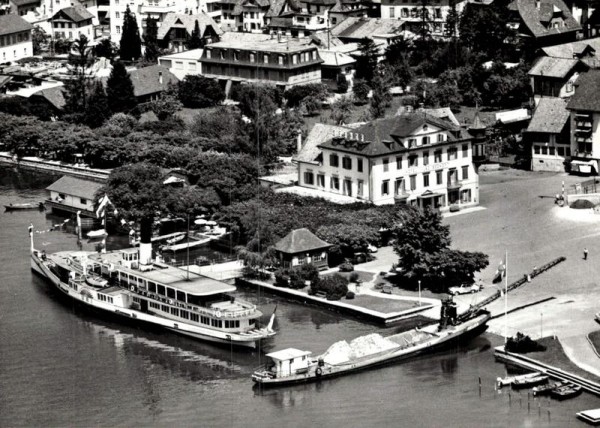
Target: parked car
x,y
464,289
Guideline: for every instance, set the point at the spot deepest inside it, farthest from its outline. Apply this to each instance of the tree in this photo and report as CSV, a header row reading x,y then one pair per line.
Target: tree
x,y
200,92
75,89
423,247
151,50
366,62
130,47
361,91
348,238
165,106
105,49
299,93
119,90
341,110
40,40
97,110
195,41
397,50
342,83
381,98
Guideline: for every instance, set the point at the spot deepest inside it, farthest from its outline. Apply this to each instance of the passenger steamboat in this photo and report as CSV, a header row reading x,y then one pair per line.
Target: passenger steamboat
x,y
178,300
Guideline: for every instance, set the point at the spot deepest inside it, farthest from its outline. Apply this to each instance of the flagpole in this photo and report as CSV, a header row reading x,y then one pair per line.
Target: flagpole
x,y
505,296
31,238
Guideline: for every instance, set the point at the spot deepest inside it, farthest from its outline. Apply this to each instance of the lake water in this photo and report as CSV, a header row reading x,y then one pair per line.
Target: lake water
x,y
63,366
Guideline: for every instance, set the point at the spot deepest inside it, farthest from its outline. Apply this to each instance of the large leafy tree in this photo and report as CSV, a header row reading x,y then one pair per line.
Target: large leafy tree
x,y
199,92
40,40
97,110
105,49
366,61
76,87
130,47
120,90
423,247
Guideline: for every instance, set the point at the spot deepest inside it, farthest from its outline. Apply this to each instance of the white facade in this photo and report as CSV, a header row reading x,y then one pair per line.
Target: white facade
x,y
144,9
432,172
72,201
410,13
183,63
15,46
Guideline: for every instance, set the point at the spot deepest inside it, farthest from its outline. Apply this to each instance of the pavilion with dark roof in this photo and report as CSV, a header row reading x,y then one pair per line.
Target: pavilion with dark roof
x,y
301,246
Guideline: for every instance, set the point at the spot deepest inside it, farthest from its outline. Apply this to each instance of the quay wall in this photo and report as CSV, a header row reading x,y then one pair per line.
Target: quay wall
x,y
98,175
336,305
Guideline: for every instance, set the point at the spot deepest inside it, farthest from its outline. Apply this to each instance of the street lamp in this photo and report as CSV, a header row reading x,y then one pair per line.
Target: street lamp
x,y
419,292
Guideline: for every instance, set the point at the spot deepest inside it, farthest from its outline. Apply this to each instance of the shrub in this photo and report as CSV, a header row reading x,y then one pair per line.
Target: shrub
x,y
335,286
346,267
342,83
522,344
361,91
200,92
353,277
282,278
350,295
297,276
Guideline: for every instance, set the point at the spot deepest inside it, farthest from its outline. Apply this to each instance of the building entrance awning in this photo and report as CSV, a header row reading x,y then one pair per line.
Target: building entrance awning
x,y
428,195
585,167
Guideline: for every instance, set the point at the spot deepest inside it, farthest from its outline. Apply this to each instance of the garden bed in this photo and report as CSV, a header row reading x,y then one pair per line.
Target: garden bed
x,y
381,304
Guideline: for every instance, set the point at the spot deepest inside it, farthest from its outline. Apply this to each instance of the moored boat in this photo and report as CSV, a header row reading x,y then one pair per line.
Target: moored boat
x,y
183,302
530,381
567,391
25,206
591,416
292,365
546,389
508,380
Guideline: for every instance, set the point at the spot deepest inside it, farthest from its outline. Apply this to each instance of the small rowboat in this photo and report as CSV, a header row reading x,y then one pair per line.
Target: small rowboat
x,y
25,206
529,381
506,381
96,281
564,392
548,388
96,233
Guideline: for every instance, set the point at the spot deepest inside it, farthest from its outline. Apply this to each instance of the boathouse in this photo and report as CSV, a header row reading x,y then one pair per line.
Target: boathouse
x,y
70,194
301,246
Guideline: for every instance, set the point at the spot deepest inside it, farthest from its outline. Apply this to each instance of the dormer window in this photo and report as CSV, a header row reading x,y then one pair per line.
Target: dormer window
x,y
208,53
236,55
412,142
425,128
222,54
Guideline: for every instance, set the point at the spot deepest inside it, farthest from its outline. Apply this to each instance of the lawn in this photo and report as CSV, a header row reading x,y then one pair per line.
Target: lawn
x,y
362,275
381,304
554,355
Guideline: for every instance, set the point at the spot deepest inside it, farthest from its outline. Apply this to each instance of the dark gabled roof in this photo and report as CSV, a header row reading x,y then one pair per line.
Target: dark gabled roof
x,y
24,2
54,96
146,80
538,20
550,116
374,138
76,13
10,24
300,240
577,49
187,22
587,92
75,187
553,67
277,7
241,5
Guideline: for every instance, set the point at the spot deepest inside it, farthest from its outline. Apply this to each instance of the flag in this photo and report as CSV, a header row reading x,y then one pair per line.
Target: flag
x,y
30,228
103,203
500,271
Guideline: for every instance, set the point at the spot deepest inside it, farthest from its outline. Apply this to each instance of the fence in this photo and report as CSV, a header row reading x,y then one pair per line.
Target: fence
x,y
585,187
535,272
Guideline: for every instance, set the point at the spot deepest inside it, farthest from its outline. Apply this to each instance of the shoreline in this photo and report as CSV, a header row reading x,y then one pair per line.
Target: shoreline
x,y
54,167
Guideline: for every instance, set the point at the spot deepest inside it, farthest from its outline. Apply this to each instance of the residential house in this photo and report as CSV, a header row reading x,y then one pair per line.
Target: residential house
x,y
70,194
544,22
15,38
150,82
176,29
242,57
344,9
23,7
382,31
436,14
584,108
555,77
71,22
548,134
335,63
155,9
250,15
300,247
184,63
414,158
227,20
588,51
51,98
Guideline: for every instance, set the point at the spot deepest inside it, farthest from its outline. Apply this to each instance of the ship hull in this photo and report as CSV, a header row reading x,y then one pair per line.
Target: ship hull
x,y
476,327
141,318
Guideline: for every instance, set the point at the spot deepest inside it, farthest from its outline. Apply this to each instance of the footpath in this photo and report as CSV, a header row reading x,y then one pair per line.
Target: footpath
x,y
38,164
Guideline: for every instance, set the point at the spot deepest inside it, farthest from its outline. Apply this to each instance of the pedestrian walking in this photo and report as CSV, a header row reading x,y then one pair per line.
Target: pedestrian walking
x,y
585,253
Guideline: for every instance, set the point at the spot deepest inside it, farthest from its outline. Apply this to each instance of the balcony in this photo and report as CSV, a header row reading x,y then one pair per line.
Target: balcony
x,y
401,196
454,184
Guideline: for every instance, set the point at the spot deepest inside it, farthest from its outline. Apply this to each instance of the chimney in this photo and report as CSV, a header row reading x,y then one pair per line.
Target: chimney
x,y
299,141
160,79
